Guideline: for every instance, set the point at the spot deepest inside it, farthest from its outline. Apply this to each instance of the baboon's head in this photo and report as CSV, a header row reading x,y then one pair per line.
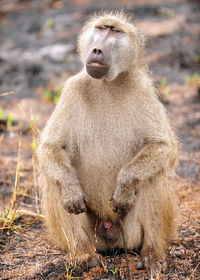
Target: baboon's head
x,y
110,44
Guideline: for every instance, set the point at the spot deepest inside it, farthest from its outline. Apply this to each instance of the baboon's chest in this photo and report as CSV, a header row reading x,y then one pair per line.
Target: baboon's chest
x,y
106,136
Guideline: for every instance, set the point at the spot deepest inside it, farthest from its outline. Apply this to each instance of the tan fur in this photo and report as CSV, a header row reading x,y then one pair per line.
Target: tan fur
x,y
103,137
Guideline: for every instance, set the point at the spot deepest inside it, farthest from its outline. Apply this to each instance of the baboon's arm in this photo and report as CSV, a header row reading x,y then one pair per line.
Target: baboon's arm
x,y
56,166
55,156
151,159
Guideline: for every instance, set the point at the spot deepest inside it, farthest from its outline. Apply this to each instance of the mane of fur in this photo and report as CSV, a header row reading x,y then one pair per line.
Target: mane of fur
x,y
119,19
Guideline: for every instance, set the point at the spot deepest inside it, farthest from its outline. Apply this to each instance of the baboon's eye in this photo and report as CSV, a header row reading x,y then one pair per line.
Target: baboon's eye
x,y
102,27
114,29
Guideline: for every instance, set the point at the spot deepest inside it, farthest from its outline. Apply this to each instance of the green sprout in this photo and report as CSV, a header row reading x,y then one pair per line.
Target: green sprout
x,y
7,219
166,12
49,23
10,120
193,79
69,272
197,57
33,146
113,270
1,114
163,88
52,95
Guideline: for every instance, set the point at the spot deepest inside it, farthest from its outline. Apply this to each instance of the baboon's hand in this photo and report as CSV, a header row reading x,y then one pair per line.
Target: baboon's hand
x,y
126,177
123,199
74,199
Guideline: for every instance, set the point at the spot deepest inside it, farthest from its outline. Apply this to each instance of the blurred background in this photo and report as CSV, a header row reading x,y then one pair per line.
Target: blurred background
x,y
38,53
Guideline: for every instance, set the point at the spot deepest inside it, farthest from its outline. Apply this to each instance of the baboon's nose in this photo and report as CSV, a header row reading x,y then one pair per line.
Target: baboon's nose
x,y
97,51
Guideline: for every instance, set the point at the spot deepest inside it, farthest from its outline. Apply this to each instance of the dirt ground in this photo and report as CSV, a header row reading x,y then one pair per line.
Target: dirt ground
x,y
37,54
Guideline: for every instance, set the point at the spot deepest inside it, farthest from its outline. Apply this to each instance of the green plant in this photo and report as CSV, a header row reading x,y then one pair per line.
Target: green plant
x,y
166,12
197,57
33,146
114,271
52,95
7,218
49,23
192,79
69,272
1,114
9,120
163,88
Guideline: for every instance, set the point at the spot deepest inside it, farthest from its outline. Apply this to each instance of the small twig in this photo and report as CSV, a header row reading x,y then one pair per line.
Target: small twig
x,y
93,247
99,259
95,231
34,128
29,213
7,93
65,235
194,270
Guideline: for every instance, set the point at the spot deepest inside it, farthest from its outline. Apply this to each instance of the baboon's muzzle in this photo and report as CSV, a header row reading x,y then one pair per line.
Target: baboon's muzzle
x,y
98,60
97,70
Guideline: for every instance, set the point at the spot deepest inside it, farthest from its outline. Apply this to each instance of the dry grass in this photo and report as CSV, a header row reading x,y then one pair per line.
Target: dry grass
x,y
9,216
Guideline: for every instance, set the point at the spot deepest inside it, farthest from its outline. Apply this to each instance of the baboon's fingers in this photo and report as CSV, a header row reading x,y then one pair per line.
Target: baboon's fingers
x,y
82,208
117,207
110,198
75,207
121,208
69,209
79,207
85,199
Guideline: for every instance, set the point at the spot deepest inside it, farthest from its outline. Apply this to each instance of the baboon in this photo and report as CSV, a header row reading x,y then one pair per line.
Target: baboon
x,y
108,149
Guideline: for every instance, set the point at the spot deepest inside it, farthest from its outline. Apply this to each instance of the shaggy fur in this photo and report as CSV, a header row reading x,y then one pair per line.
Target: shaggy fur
x,y
110,137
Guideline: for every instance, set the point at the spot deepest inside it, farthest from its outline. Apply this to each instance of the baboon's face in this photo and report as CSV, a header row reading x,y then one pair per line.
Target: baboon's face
x,y
108,52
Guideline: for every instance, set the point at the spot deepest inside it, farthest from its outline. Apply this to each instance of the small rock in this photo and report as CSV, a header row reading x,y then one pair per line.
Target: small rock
x,y
139,266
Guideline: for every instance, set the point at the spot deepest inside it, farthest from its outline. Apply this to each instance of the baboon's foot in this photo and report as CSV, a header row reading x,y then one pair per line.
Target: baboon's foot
x,y
153,268
87,260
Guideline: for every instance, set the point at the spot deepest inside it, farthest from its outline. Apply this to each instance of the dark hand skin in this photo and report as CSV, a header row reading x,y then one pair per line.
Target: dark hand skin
x,y
123,197
73,199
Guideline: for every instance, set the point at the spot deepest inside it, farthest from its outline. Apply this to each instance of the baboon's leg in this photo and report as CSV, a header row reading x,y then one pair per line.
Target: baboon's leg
x,y
158,216
71,232
131,235
151,223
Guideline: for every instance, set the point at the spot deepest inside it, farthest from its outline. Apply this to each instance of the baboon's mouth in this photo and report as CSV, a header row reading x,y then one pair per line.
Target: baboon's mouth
x,y
98,64
97,70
